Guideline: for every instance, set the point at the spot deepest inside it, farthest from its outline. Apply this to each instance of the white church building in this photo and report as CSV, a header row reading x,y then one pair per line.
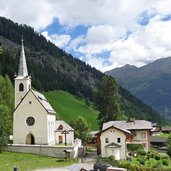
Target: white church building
x,y
34,120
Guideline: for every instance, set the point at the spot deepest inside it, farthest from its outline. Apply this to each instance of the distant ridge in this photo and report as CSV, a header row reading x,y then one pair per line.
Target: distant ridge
x,y
150,83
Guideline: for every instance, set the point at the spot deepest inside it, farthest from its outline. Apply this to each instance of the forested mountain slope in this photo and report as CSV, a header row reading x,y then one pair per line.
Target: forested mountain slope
x,y
52,69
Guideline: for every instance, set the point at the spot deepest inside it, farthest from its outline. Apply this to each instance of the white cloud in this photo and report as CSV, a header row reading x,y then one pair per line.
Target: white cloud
x,y
59,40
108,23
38,14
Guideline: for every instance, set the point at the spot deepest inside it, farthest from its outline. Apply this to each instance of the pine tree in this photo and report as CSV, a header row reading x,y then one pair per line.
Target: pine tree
x,y
107,100
5,125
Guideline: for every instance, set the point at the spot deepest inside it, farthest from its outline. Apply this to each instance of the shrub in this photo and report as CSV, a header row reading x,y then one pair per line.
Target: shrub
x,y
157,156
142,161
111,158
158,165
134,147
141,152
125,164
165,162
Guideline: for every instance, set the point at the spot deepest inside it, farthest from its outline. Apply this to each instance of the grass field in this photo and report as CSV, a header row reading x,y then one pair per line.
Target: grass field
x,y
28,162
69,107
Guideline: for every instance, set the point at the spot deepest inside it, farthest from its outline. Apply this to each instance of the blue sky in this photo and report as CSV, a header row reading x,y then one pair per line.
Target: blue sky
x,y
104,33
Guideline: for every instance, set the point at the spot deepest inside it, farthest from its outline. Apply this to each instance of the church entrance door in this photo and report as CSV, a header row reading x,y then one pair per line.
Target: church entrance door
x,y
30,139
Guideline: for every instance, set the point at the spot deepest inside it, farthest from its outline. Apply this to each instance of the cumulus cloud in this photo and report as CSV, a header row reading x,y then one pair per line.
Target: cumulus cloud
x,y
58,40
130,31
38,14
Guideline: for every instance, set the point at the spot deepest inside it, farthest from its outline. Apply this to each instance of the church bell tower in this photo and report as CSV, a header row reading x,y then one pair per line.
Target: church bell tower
x,y
22,80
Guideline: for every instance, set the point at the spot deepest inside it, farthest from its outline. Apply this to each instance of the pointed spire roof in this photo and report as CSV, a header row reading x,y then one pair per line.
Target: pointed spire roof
x,y
22,70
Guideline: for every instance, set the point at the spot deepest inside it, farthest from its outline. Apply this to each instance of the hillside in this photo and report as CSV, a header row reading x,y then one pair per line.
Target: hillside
x,y
53,69
150,83
69,107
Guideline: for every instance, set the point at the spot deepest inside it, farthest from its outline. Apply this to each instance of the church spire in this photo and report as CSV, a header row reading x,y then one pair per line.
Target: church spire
x,y
22,70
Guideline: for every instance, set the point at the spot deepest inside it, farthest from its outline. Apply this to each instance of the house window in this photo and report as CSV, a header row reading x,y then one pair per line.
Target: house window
x,y
143,135
118,140
21,87
106,140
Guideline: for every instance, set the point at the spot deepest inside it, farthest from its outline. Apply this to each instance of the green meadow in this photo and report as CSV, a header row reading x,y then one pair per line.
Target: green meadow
x,y
69,107
28,162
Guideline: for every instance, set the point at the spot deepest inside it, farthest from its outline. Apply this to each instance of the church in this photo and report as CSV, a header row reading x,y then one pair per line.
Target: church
x,y
34,119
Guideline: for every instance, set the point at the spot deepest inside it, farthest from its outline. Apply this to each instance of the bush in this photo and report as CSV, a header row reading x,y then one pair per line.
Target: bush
x,y
165,162
142,161
141,152
158,165
134,147
125,164
157,157
112,158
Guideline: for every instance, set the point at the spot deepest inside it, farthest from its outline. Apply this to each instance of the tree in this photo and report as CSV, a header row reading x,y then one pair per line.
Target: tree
x,y
169,145
107,100
81,129
5,125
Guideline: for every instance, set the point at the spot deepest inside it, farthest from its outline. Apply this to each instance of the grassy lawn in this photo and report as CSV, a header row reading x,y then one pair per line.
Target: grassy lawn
x,y
69,107
27,162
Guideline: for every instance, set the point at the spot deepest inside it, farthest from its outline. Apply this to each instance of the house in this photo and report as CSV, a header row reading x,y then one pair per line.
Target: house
x,y
64,133
159,143
166,130
34,119
112,140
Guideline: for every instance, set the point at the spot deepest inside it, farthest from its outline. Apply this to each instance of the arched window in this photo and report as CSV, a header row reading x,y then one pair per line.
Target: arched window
x,y
21,87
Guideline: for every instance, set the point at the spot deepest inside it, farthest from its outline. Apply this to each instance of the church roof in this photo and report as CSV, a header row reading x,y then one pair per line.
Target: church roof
x,y
22,70
62,125
42,99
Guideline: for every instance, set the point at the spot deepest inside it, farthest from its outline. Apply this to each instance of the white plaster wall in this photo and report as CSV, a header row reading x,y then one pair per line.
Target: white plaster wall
x,y
51,120
142,140
112,134
20,94
20,127
69,137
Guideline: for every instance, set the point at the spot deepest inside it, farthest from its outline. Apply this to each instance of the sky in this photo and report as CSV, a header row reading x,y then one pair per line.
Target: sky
x,y
104,33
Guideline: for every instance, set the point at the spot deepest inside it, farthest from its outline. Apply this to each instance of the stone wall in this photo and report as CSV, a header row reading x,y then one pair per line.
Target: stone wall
x,y
52,151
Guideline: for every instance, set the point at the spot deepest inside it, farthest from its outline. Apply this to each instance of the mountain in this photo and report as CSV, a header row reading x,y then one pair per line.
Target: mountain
x,y
53,69
150,83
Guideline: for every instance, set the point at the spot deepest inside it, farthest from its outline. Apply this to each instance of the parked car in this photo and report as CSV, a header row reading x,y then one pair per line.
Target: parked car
x,y
101,166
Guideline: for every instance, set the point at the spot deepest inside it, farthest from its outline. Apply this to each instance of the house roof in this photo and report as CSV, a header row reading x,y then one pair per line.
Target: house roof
x,y
118,128
41,98
158,139
113,145
133,125
62,125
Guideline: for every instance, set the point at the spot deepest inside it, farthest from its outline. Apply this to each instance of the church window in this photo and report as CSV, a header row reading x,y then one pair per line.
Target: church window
x,y
21,87
60,127
29,102
30,121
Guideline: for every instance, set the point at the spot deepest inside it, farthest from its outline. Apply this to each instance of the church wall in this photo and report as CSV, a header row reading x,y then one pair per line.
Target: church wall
x,y
30,106
20,94
51,119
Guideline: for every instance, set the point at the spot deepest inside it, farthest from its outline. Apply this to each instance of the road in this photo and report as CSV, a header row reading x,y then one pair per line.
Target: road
x,y
74,167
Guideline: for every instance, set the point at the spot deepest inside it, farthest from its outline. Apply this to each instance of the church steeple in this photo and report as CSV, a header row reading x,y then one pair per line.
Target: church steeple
x,y
22,81
22,70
